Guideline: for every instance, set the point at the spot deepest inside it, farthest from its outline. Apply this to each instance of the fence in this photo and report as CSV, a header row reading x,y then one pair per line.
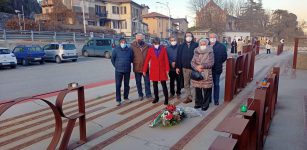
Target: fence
x,y
50,35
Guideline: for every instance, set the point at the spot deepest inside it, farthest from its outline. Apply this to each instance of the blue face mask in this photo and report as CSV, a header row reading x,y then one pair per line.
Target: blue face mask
x,y
123,45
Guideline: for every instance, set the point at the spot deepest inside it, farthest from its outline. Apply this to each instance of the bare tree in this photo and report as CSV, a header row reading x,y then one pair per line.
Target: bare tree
x,y
59,15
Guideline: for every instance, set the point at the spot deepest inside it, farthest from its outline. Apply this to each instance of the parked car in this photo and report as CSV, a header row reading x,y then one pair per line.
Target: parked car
x,y
26,54
7,58
99,47
59,52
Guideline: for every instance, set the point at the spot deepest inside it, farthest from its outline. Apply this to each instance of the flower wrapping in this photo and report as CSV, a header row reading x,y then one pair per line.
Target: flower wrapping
x,y
168,117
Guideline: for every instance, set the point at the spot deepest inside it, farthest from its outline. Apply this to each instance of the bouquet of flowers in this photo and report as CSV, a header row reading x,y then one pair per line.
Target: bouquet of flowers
x,y
168,117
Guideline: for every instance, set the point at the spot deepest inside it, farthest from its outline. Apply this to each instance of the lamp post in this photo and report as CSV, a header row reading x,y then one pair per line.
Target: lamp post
x,y
83,14
169,19
17,12
23,18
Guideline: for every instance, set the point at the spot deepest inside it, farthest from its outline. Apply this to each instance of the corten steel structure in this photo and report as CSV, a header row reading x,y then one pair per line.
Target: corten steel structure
x,y
239,72
58,114
296,43
251,129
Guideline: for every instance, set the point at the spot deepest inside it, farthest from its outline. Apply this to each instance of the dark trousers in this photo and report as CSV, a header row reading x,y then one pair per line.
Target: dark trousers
x,y
174,77
203,97
268,51
216,86
138,80
156,90
119,76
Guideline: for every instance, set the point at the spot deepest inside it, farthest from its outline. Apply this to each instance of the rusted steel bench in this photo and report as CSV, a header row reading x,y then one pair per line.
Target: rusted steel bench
x,y
253,130
238,128
58,114
223,143
239,72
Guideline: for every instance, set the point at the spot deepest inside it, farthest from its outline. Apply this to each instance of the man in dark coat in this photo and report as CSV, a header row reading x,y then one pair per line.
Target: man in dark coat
x,y
220,56
122,58
172,54
183,62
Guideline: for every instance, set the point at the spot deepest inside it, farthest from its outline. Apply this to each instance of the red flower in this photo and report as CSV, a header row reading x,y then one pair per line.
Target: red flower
x,y
169,116
171,108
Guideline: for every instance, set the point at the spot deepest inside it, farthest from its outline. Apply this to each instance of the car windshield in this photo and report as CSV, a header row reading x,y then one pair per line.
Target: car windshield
x,y
35,49
4,51
69,47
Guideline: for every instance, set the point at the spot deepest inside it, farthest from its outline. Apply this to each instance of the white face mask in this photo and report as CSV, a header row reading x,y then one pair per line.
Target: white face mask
x,y
188,39
173,43
156,46
123,45
203,47
212,40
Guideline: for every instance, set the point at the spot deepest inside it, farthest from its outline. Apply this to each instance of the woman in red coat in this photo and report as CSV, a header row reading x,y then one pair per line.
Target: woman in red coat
x,y
159,68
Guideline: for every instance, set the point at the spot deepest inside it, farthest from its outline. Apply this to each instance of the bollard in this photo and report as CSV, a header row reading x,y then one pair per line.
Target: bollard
x,y
74,37
32,35
4,34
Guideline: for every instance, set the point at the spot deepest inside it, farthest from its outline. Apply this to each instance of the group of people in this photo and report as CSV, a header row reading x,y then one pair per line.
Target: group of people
x,y
157,63
237,46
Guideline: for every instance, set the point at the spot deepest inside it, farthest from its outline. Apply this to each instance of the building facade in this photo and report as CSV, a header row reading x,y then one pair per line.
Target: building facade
x,y
123,16
158,24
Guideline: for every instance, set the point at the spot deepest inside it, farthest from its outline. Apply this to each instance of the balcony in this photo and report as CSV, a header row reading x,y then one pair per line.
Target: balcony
x,y
102,14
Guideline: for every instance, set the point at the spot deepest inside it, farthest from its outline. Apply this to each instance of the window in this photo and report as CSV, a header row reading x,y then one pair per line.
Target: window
x,y
114,9
4,51
90,43
91,23
18,49
69,47
36,48
46,47
53,47
125,10
97,9
121,10
117,8
103,42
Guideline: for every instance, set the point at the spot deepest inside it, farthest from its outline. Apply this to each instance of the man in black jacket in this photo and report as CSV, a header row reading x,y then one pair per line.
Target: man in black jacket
x,y
183,62
220,56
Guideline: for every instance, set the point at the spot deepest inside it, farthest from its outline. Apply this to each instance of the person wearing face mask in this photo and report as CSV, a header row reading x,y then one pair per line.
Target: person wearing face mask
x,y
159,68
203,61
122,57
140,49
183,63
220,56
172,53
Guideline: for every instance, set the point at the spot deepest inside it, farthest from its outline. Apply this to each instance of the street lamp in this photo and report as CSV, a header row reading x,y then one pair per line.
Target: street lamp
x,y
83,14
169,19
17,12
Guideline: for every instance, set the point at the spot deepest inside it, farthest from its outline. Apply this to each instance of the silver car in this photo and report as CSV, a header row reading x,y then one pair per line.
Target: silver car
x,y
59,52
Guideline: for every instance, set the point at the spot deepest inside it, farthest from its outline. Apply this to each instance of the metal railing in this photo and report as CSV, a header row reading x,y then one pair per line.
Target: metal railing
x,y
50,35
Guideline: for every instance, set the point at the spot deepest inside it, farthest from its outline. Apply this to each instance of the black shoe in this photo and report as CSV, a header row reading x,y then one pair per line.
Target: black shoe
x,y
216,103
196,107
155,101
205,109
171,95
165,102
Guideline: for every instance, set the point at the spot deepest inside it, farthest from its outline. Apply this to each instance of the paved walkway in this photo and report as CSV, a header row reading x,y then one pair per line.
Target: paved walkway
x,y
126,127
